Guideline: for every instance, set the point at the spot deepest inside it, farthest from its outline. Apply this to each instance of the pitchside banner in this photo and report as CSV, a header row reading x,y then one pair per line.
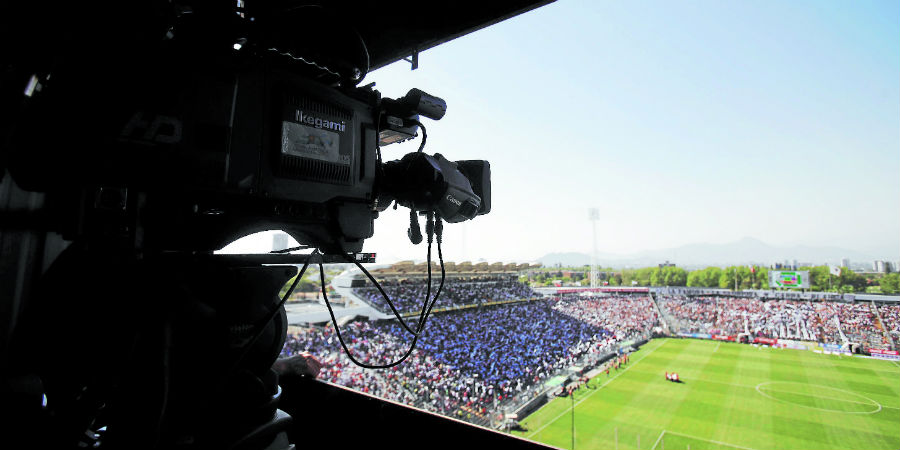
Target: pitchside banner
x,y
789,279
796,345
696,335
834,349
890,355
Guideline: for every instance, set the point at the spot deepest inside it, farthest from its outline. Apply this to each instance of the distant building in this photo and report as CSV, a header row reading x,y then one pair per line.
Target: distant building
x,y
882,266
279,241
788,265
845,262
666,264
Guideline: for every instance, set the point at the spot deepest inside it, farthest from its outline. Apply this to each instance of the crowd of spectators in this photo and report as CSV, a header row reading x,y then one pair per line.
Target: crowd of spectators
x,y
793,319
409,295
827,322
890,317
466,363
623,315
858,323
709,314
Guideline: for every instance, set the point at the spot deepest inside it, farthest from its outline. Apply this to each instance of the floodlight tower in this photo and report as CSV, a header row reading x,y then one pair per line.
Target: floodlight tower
x,y
594,215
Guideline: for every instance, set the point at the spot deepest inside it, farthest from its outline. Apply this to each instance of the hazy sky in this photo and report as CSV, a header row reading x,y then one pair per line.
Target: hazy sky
x,y
682,121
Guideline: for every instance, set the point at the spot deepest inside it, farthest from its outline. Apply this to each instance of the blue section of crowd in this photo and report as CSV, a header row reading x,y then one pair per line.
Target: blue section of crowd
x,y
471,361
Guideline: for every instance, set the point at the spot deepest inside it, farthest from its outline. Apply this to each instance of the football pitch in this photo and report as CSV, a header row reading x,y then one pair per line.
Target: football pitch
x,y
733,396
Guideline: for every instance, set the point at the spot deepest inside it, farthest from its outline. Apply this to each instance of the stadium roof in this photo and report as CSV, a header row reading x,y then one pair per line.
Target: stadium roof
x,y
465,267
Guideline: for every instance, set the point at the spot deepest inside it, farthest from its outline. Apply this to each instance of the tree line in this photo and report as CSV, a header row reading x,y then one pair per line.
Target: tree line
x,y
731,277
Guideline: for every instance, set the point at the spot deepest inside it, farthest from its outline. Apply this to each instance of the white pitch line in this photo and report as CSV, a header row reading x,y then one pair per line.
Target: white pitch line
x,y
803,394
657,440
708,440
747,386
717,347
596,390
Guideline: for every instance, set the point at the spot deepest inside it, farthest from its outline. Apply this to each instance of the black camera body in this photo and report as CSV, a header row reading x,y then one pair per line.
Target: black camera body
x,y
188,144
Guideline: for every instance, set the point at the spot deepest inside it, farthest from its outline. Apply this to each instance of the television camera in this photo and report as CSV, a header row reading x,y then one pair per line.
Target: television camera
x,y
212,132
158,137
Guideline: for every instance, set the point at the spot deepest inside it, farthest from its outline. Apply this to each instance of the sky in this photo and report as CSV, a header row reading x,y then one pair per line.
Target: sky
x,y
681,121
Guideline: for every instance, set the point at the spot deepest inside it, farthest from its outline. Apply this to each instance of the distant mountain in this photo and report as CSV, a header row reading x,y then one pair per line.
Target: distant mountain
x,y
570,259
745,251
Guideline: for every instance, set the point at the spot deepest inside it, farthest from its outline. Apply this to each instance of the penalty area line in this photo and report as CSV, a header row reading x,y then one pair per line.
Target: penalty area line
x,y
707,440
595,391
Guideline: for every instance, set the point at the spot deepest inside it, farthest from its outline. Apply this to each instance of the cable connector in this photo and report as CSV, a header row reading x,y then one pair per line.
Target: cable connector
x,y
414,232
429,226
438,227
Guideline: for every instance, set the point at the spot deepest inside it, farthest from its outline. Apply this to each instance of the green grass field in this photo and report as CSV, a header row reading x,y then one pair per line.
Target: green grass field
x,y
733,397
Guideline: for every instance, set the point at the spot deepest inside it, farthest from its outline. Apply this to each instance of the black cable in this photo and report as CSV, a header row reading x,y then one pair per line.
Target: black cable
x,y
379,163
439,231
344,345
429,231
424,134
414,233
368,58
363,58
341,337
383,294
378,141
437,228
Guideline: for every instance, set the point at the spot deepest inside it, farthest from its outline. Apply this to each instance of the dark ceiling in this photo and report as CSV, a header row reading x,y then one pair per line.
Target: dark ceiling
x,y
391,30
395,30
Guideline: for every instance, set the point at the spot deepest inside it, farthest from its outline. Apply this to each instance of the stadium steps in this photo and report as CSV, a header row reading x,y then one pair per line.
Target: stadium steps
x,y
888,339
659,313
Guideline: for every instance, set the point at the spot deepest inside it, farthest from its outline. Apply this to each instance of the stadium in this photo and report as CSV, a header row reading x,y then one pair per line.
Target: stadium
x,y
729,155
589,368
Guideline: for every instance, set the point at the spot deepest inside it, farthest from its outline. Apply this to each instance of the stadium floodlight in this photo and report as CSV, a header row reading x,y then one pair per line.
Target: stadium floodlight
x,y
594,215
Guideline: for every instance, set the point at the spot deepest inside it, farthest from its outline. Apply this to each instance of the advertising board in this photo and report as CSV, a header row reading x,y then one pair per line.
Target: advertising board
x,y
795,345
834,349
696,335
889,355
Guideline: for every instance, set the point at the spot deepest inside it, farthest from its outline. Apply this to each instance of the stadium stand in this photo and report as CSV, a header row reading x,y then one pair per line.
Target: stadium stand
x,y
494,344
468,363
408,296
465,285
820,321
623,315
890,318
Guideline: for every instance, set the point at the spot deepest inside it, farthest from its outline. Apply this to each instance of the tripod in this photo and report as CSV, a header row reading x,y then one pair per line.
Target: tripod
x,y
154,351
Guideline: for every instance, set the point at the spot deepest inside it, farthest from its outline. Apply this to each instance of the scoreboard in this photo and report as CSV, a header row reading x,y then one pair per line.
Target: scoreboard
x,y
789,279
